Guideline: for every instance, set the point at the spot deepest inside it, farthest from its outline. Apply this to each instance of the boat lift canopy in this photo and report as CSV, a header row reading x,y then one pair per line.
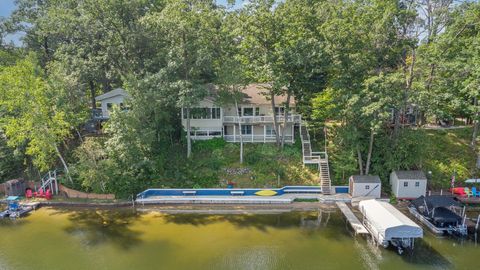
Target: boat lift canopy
x,y
387,222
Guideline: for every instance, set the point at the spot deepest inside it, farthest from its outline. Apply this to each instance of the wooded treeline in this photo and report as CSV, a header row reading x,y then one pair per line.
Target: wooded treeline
x,y
358,65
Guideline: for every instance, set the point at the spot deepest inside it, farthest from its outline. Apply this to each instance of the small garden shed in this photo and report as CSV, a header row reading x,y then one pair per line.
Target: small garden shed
x,y
365,186
408,184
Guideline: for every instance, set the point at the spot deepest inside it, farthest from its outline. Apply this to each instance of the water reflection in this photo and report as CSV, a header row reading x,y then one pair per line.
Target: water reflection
x,y
13,223
96,227
306,220
426,255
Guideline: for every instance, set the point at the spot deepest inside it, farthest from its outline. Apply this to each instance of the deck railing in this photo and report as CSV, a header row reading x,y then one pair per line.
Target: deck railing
x,y
294,118
256,138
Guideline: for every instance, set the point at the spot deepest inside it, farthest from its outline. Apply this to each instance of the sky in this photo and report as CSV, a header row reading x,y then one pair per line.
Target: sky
x,y
7,7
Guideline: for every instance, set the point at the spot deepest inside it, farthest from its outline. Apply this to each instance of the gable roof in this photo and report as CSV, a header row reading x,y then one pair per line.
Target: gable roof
x,y
257,93
410,175
113,93
366,179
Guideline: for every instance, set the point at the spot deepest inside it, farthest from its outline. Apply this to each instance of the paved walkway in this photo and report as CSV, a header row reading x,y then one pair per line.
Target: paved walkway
x,y
281,199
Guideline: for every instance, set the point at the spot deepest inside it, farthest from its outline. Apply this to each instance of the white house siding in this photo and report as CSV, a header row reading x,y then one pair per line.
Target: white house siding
x,y
116,100
205,124
411,191
258,133
360,190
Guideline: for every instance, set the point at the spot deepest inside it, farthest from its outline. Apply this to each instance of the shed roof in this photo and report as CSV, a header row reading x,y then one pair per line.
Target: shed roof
x,y
366,179
412,175
389,221
113,93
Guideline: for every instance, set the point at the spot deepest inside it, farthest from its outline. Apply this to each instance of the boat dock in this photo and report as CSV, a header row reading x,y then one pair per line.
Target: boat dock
x,y
352,219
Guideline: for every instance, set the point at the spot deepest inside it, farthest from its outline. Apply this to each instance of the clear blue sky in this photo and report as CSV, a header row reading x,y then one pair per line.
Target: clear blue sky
x,y
7,7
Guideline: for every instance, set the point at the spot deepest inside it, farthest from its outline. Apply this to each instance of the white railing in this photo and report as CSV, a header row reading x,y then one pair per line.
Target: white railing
x,y
296,118
315,157
256,138
205,134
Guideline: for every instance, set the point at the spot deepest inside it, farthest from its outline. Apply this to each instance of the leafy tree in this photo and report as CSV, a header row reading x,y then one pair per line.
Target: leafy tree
x,y
33,117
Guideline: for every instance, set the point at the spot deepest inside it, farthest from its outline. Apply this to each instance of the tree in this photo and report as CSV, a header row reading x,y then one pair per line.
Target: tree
x,y
187,30
33,115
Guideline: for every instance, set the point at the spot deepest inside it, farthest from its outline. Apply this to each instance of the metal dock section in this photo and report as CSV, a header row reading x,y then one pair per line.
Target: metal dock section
x,y
352,219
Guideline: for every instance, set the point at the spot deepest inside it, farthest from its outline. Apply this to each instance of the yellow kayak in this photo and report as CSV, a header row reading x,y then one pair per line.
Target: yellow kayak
x,y
266,193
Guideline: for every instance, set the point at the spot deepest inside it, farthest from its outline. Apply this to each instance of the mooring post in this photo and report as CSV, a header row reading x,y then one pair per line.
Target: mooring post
x,y
429,193
478,220
441,192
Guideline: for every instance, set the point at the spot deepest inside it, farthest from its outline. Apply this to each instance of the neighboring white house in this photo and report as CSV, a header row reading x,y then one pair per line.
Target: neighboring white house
x,y
365,186
107,100
408,184
209,120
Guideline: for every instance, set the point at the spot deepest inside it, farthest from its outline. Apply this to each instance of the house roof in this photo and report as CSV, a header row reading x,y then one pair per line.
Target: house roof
x,y
113,93
257,93
410,175
366,179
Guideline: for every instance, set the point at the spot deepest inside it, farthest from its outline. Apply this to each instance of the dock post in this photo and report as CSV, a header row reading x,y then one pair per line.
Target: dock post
x,y
429,193
441,192
478,220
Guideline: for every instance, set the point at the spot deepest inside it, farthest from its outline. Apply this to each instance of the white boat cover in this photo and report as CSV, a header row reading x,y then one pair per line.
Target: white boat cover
x,y
387,222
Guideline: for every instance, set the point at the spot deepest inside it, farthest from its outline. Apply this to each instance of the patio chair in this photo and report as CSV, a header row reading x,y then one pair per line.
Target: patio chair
x,y
48,194
468,192
475,192
28,193
39,194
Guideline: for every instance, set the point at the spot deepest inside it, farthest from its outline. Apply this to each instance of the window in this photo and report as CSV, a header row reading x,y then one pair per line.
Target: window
x,y
202,113
279,110
367,187
109,106
246,129
257,111
405,184
269,130
216,113
248,111
417,184
239,111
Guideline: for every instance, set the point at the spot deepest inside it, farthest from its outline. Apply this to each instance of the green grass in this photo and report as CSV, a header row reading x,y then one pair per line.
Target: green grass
x,y
447,151
264,165
440,152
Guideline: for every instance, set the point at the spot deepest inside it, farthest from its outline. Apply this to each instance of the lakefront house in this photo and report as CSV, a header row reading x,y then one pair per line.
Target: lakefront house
x,y
255,114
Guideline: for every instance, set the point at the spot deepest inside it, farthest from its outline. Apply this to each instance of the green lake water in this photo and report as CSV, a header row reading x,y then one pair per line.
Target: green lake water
x,y
125,239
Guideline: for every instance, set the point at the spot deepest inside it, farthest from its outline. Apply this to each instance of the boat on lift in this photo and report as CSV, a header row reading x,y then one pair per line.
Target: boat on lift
x,y
441,214
388,226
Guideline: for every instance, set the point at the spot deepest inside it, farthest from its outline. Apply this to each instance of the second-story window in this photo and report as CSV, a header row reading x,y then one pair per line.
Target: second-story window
x,y
216,113
279,110
202,113
248,111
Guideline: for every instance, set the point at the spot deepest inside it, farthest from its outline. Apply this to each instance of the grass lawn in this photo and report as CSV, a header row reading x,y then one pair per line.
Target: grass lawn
x,y
447,151
264,165
442,151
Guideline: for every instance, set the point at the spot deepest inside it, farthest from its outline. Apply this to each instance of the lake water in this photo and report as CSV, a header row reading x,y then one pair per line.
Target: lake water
x,y
125,239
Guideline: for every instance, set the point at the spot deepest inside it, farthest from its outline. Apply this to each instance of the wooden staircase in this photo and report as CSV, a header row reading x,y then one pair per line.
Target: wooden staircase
x,y
318,158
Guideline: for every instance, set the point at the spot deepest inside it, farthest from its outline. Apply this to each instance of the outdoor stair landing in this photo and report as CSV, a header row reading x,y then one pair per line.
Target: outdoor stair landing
x,y
318,158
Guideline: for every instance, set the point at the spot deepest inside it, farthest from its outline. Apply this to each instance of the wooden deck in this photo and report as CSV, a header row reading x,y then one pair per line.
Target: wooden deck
x,y
352,219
